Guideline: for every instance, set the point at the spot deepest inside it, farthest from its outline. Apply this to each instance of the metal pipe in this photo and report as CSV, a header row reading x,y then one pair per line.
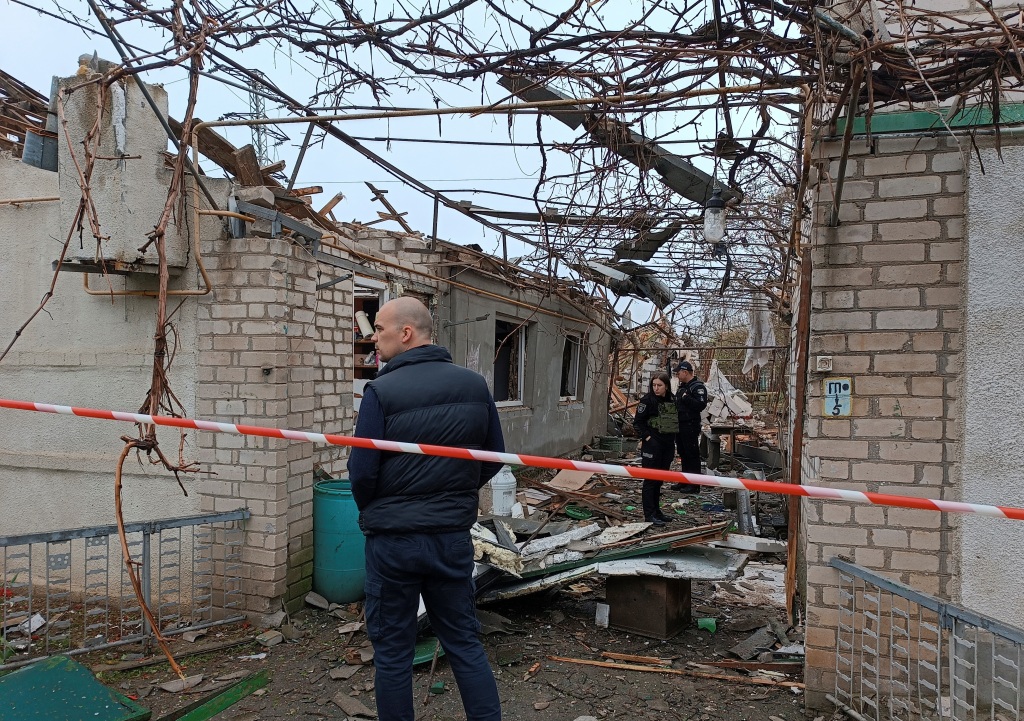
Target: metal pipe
x,y
450,323
20,201
433,227
298,160
703,347
858,73
146,571
228,214
137,638
802,346
846,709
484,109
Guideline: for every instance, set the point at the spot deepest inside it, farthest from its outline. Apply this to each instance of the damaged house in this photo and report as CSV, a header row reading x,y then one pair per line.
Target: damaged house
x,y
873,150
269,313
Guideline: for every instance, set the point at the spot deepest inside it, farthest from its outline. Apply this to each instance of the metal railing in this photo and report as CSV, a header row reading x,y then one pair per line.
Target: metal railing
x,y
902,654
67,592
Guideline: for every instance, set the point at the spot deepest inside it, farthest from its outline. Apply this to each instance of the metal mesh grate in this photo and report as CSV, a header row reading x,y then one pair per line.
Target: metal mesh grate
x,y
902,655
68,591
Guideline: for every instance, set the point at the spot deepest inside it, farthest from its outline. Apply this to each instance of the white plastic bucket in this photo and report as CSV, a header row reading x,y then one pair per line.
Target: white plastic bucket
x,y
503,492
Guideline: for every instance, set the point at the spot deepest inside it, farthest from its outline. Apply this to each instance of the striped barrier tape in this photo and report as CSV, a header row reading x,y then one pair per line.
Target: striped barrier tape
x,y
832,494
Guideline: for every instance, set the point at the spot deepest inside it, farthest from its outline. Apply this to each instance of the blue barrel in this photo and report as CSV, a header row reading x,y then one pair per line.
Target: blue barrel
x,y
339,565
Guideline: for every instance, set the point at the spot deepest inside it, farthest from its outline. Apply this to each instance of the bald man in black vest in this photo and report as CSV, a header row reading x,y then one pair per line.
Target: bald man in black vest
x,y
416,510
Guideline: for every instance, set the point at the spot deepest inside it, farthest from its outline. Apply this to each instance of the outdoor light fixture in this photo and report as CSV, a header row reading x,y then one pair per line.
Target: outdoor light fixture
x,y
714,217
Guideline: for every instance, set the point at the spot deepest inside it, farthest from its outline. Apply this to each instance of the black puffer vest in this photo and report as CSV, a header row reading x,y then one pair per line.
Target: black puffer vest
x,y
428,399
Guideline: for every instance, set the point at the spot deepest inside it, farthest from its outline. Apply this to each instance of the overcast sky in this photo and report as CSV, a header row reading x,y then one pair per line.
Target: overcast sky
x,y
48,47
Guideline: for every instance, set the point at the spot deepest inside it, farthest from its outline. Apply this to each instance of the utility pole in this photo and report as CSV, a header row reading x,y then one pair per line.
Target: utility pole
x,y
258,109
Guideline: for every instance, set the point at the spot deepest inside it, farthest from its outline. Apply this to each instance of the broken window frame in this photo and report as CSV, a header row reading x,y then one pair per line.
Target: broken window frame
x,y
574,374
516,348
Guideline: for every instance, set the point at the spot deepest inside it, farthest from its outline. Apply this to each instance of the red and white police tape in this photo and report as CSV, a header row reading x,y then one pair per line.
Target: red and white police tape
x,y
836,494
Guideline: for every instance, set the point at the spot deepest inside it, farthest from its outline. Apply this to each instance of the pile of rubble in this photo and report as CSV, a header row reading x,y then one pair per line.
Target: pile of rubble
x,y
576,525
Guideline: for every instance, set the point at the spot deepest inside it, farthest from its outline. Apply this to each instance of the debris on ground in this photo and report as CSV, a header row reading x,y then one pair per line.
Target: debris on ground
x,y
182,684
343,673
548,587
761,585
193,636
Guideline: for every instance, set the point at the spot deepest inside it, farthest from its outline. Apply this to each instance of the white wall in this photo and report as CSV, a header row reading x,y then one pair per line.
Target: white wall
x,y
992,403
58,472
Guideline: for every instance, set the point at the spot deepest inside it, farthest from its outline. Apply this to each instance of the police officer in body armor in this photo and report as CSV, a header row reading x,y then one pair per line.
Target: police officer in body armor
x,y
656,422
691,399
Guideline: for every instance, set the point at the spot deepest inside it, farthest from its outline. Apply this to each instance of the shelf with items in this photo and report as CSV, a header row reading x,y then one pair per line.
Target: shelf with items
x,y
363,347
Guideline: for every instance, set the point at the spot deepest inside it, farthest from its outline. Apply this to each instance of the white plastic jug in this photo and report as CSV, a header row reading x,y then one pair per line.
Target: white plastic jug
x,y
365,326
503,492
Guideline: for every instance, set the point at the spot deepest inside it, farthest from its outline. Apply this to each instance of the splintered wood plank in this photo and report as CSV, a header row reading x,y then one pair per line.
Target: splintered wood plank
x,y
273,168
218,149
331,203
212,145
751,680
247,166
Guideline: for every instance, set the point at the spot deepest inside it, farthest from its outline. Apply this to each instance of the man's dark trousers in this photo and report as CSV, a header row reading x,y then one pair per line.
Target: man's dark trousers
x,y
688,444
439,566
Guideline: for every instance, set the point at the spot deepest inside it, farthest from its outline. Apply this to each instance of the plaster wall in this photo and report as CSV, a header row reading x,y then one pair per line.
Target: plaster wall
x,y
132,190
86,351
544,424
991,578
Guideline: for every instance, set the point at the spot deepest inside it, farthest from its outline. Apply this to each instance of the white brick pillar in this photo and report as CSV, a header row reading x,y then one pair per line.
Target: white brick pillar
x,y
252,370
885,306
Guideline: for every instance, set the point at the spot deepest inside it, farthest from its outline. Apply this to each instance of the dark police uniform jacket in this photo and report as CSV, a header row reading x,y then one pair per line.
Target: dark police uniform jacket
x,y
691,400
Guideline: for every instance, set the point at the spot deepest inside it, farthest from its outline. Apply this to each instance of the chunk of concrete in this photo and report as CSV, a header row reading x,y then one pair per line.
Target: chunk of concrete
x,y
257,195
352,707
270,638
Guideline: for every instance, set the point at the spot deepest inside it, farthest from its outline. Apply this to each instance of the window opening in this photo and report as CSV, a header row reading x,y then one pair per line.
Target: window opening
x,y
570,381
509,352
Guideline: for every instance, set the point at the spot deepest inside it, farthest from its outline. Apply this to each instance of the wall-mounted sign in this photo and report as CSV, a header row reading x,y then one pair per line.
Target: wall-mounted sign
x,y
837,392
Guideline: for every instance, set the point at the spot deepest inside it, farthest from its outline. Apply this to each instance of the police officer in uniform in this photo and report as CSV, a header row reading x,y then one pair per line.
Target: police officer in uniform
x,y
656,422
691,399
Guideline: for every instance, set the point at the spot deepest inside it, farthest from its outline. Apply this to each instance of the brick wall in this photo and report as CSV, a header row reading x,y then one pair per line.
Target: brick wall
x,y
334,336
256,343
886,305
298,325
332,376
275,351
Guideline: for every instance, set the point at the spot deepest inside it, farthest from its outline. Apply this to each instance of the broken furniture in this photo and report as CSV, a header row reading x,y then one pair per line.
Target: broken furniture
x,y
651,606
651,595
